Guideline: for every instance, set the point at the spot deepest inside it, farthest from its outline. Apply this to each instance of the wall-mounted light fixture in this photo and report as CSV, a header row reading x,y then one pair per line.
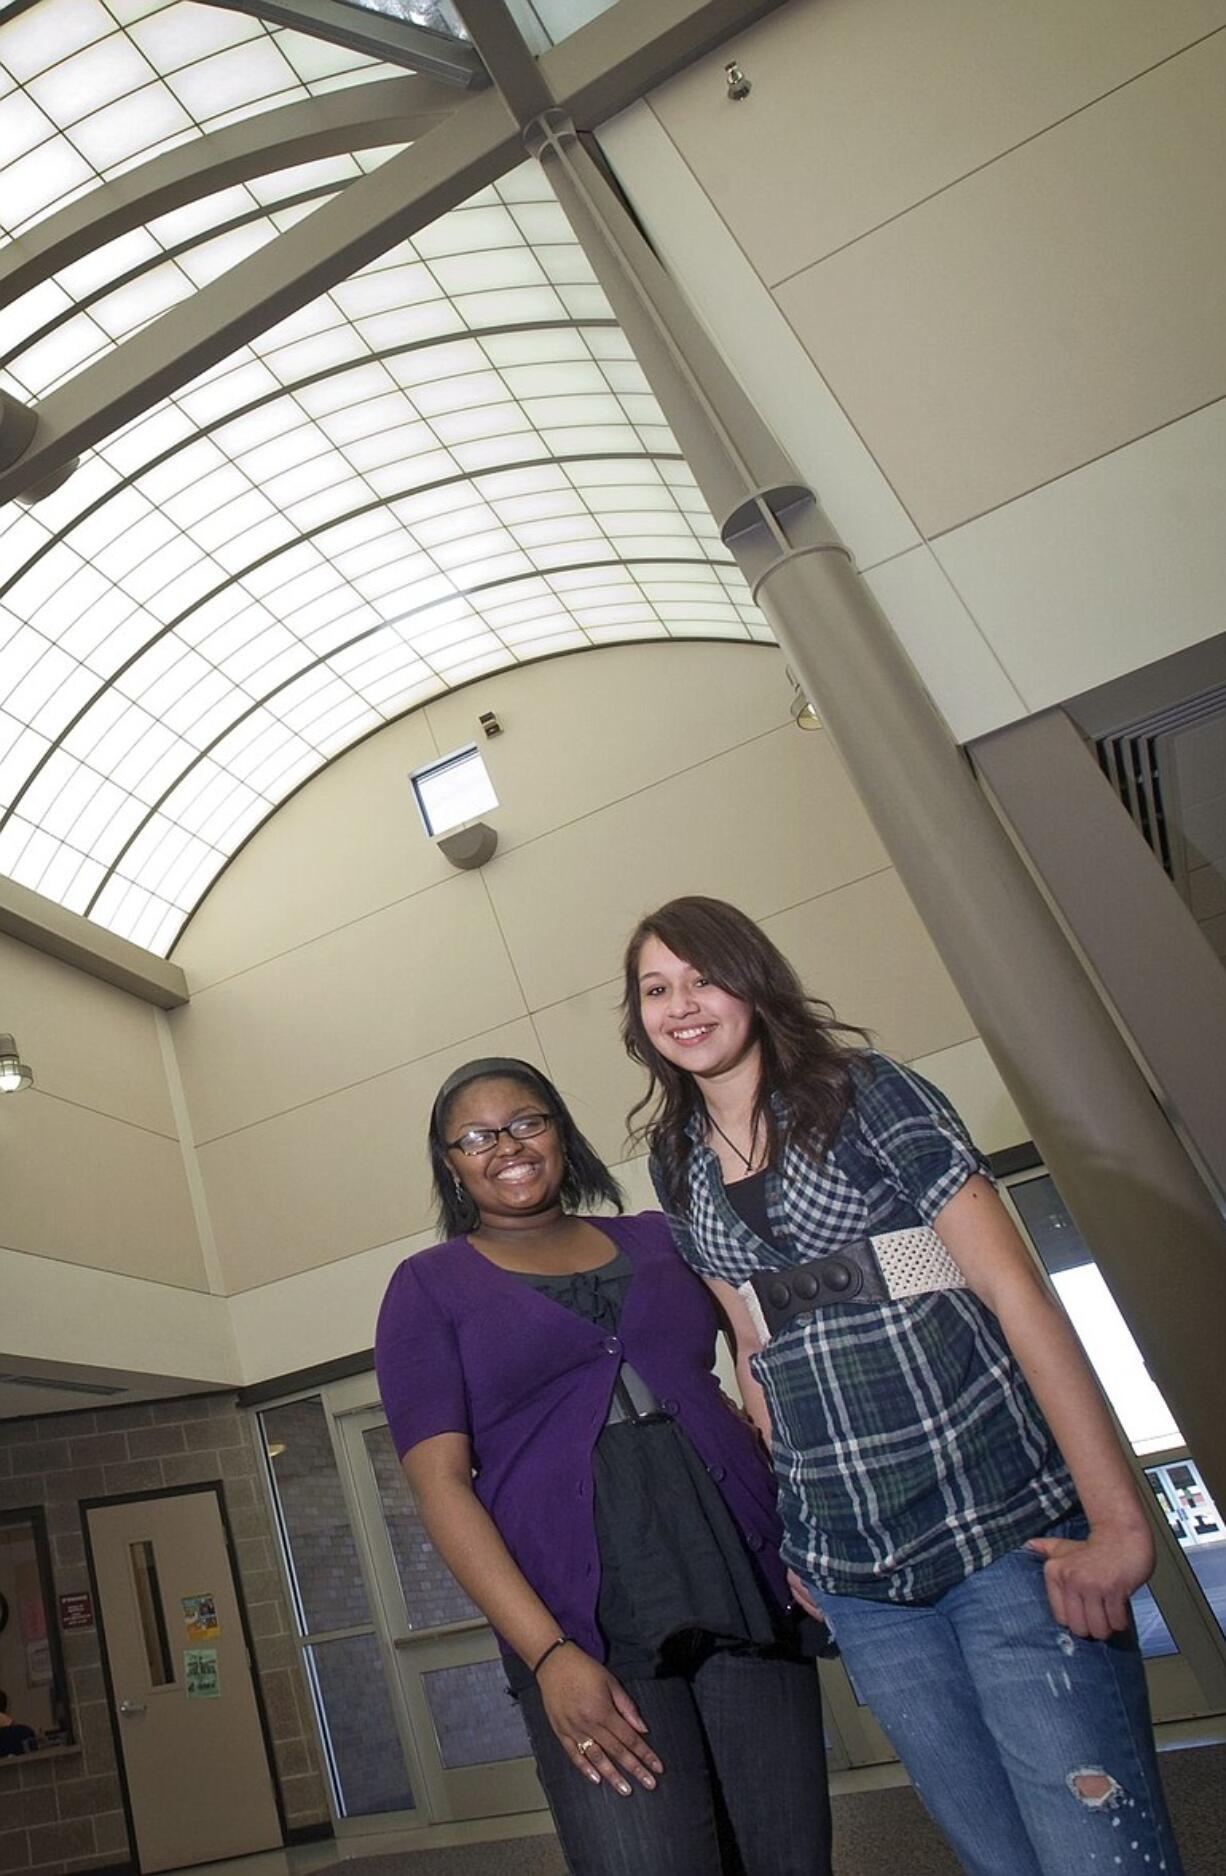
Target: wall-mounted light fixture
x,y
738,86
804,710
452,794
14,1075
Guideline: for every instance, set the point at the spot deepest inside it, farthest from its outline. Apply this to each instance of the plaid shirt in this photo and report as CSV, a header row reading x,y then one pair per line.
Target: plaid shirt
x,y
908,1448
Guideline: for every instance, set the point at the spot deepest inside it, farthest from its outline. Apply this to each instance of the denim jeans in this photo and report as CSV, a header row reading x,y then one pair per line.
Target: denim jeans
x,y
1031,1748
743,1792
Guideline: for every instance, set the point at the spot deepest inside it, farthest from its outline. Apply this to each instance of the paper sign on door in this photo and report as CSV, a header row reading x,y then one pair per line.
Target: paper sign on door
x,y
200,1675
200,1614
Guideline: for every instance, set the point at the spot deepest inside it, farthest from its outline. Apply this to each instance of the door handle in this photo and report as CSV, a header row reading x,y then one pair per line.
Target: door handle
x,y
130,1707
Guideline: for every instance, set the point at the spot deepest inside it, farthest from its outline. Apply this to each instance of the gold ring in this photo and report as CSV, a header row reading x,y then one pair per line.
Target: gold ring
x,y
584,1746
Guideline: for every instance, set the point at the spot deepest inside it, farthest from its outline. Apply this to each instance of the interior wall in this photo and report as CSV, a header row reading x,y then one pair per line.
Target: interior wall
x,y
969,263
93,1169
341,968
104,1258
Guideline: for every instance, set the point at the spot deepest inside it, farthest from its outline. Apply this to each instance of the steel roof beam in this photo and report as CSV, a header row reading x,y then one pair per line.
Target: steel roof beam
x,y
361,117
599,70
453,161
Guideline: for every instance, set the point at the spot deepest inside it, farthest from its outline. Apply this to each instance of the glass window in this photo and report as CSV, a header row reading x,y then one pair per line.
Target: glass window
x,y
437,16
453,791
357,1727
1198,1525
31,1665
322,1557
1142,1412
432,1597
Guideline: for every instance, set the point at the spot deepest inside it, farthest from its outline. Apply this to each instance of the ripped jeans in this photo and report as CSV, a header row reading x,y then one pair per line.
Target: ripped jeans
x,y
1030,1748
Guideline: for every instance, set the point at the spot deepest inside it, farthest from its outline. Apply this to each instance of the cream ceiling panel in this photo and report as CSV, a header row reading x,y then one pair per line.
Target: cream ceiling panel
x,y
587,1062
967,1074
757,341
86,1189
360,1001
1105,570
581,732
864,950
1051,307
963,675
337,1176
862,108
348,844
86,1041
767,824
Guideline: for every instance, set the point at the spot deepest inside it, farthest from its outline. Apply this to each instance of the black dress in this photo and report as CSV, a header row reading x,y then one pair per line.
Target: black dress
x,y
676,1580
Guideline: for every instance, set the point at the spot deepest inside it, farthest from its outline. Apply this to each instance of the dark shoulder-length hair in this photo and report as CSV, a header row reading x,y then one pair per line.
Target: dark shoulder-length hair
x,y
806,1085
587,1181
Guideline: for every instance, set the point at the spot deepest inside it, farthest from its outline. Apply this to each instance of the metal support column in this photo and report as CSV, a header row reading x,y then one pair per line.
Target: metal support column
x,y
1146,1214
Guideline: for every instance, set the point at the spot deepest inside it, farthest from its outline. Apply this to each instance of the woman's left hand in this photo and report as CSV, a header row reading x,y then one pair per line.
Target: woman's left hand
x,y
1090,1580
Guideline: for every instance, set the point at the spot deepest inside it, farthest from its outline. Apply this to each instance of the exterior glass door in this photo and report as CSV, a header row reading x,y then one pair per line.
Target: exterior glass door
x,y
1181,1614
469,1746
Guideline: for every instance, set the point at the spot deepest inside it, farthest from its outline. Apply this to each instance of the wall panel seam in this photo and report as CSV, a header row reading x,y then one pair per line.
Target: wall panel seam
x,y
969,521
107,1270
363,1081
102,1113
209,1256
1000,157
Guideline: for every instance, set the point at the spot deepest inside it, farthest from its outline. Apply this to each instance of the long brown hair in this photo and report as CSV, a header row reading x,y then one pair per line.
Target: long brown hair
x,y
803,1062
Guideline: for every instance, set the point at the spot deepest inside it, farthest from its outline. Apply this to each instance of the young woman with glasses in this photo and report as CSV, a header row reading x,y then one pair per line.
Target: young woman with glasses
x,y
548,1381
923,1393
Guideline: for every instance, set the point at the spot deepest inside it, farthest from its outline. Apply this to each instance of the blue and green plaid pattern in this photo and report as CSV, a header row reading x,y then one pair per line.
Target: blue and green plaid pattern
x,y
908,1448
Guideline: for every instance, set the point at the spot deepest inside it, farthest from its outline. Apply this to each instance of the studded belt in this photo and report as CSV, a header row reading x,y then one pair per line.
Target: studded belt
x,y
880,1269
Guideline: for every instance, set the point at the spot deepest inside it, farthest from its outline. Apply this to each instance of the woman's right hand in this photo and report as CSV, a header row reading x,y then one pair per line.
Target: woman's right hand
x,y
584,1702
801,1594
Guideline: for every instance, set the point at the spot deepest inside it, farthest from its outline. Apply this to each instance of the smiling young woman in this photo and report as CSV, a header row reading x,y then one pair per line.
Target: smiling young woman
x,y
547,1376
952,1489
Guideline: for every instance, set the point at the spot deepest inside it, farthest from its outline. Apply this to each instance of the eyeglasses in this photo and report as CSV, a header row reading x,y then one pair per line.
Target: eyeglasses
x,y
485,1139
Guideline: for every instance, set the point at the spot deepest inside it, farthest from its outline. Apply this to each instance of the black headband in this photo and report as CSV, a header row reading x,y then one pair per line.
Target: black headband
x,y
489,1068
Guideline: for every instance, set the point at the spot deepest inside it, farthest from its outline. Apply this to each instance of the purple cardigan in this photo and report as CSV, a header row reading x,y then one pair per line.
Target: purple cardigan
x,y
464,1347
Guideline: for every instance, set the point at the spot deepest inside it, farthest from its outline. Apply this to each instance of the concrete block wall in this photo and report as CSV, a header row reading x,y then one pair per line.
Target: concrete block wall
x,y
64,1813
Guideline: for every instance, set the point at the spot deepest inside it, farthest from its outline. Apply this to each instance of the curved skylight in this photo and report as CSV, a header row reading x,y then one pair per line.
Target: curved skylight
x,y
447,465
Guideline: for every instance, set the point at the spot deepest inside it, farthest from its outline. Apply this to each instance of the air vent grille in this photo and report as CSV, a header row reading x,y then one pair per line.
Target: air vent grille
x,y
1131,758
59,1387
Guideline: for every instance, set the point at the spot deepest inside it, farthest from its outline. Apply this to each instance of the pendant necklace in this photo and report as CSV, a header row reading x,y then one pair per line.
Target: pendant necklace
x,y
753,1141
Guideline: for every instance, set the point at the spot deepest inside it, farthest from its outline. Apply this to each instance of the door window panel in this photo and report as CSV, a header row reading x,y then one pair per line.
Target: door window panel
x,y
358,1727
143,1565
322,1556
476,1722
432,1597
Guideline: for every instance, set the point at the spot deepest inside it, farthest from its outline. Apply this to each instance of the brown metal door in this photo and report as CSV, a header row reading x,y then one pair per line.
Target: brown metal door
x,y
194,1754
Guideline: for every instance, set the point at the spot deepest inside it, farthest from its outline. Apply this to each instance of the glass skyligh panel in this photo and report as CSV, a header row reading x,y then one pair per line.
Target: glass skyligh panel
x,y
449,464
436,16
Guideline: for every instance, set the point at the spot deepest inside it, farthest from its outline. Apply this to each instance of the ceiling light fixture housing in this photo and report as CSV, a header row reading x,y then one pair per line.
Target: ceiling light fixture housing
x,y
14,1075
